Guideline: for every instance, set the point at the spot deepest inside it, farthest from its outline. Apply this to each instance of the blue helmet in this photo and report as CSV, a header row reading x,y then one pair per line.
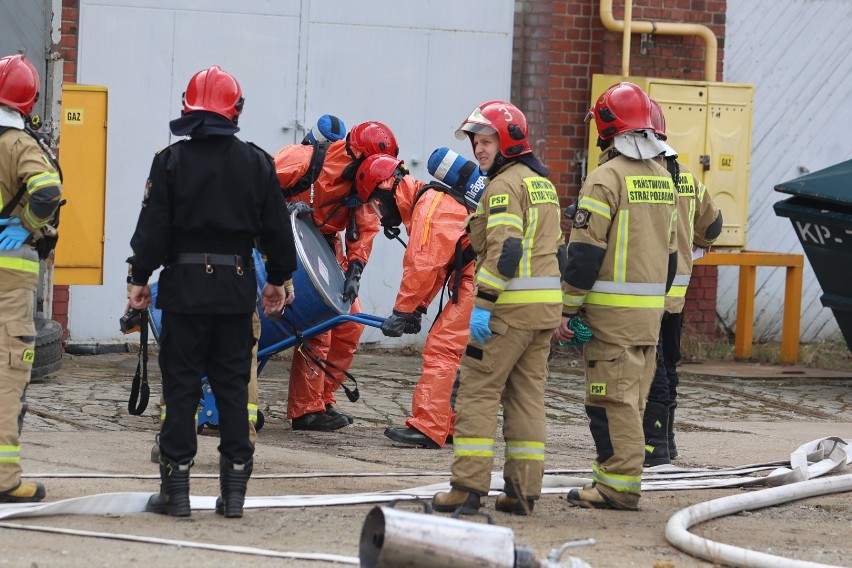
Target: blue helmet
x,y
328,128
461,174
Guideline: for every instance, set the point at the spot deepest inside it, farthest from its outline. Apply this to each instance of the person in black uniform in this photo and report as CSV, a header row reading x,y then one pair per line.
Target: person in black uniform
x,y
206,201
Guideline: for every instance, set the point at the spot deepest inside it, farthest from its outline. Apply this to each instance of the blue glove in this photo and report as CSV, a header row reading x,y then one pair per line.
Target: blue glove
x,y
14,235
479,329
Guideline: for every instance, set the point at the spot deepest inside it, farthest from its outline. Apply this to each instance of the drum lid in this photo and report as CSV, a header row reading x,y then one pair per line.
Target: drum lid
x,y
320,264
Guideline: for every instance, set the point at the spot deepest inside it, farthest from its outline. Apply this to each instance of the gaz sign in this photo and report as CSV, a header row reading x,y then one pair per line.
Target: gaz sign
x,y
73,116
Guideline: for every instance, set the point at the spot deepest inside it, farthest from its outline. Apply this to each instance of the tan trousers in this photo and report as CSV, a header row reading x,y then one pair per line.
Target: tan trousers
x,y
510,369
618,378
252,385
17,352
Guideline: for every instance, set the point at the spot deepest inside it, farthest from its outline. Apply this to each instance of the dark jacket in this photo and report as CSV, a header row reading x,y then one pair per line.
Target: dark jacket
x,y
214,195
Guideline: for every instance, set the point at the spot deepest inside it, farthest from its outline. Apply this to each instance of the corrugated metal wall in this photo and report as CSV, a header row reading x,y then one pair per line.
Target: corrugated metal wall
x,y
25,26
798,55
418,66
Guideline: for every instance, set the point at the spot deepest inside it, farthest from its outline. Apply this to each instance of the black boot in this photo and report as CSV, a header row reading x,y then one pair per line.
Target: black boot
x,y
173,498
412,436
672,446
233,479
332,411
655,424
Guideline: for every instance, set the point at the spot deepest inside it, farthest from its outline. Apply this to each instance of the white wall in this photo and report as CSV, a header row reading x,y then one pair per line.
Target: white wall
x,y
798,55
418,66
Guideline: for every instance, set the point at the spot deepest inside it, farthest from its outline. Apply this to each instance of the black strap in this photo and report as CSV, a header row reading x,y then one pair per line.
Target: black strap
x,y
208,259
437,186
322,364
7,210
137,404
44,143
462,258
314,169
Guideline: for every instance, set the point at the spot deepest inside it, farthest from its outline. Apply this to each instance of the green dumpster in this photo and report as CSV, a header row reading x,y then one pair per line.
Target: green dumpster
x,y
821,213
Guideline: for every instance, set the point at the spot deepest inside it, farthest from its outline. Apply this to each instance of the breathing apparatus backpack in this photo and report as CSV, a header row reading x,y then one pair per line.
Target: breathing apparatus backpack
x,y
314,169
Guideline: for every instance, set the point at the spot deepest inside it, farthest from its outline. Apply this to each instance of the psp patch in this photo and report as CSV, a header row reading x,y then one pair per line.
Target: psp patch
x,y
501,200
581,218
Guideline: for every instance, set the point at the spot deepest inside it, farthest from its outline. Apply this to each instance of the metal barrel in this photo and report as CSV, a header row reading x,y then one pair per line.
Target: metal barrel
x,y
392,538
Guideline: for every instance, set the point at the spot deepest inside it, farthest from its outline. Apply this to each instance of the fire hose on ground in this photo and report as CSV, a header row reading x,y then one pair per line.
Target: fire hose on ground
x,y
810,461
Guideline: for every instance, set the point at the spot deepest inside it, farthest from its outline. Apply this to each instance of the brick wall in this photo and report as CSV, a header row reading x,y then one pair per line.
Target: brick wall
x,y
559,45
68,41
699,316
68,51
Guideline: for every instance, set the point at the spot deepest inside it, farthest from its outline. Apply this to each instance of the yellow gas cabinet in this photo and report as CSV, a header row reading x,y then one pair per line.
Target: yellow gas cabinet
x,y
82,156
709,124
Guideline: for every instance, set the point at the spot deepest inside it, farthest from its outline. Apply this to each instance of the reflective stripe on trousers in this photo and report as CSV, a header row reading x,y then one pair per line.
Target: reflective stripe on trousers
x,y
10,454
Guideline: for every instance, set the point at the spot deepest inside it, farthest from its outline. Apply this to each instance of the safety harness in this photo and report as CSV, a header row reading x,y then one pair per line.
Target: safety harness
x,y
314,169
308,180
464,255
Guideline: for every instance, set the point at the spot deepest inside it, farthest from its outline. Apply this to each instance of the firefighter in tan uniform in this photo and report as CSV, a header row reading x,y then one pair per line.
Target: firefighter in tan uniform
x,y
622,255
699,225
516,234
30,189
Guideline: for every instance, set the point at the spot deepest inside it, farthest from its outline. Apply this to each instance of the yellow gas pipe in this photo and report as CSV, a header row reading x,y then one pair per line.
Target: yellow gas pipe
x,y
628,26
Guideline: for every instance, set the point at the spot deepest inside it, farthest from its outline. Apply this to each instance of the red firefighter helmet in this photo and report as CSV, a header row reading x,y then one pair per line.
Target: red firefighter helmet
x,y
621,108
371,138
19,84
500,118
658,120
214,90
373,171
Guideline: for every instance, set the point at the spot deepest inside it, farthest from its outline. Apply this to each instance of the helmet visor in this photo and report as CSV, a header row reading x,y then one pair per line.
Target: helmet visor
x,y
476,123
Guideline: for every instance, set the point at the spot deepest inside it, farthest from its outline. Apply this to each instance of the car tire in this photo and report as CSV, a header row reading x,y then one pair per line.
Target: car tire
x,y
48,348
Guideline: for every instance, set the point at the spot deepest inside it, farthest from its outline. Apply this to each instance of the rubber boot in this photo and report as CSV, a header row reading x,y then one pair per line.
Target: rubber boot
x,y
332,411
173,498
24,492
233,480
655,424
449,501
511,504
596,496
671,435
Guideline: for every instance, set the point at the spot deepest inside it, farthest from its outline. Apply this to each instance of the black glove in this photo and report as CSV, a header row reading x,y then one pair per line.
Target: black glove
x,y
300,208
413,326
353,280
401,322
